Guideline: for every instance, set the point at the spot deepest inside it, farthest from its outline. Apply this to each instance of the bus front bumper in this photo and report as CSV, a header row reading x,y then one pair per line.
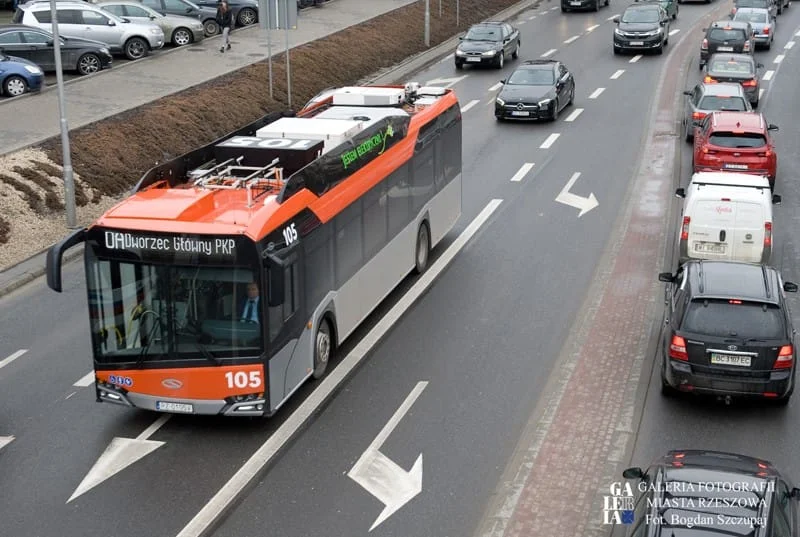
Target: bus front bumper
x,y
234,406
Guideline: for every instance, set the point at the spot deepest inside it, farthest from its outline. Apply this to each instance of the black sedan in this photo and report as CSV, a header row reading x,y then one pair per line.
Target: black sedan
x,y
699,493
36,45
488,43
537,89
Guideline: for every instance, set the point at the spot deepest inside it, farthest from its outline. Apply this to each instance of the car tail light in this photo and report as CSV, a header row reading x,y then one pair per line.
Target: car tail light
x,y
685,228
704,44
709,80
698,115
785,358
677,349
767,153
746,46
765,30
707,151
750,83
767,234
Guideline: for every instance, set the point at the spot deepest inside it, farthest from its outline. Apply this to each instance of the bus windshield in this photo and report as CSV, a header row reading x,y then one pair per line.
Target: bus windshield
x,y
143,313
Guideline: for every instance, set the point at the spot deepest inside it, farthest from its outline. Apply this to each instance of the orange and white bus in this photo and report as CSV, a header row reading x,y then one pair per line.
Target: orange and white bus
x,y
232,273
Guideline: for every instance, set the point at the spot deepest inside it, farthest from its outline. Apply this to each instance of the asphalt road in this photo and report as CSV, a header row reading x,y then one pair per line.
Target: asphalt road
x,y
705,423
484,338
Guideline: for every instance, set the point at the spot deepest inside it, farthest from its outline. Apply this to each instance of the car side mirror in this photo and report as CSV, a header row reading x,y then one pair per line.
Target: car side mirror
x,y
633,473
503,81
776,199
772,127
615,20
790,287
112,23
666,277
680,193
50,43
152,17
461,38
795,493
687,92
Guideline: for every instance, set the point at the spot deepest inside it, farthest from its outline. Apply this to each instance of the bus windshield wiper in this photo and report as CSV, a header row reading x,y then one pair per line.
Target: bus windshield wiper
x,y
207,354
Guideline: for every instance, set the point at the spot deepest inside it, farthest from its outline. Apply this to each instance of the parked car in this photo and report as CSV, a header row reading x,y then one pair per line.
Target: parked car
x,y
19,76
727,216
488,43
699,493
726,36
736,141
707,98
186,8
736,69
537,89
36,45
244,12
670,6
763,24
643,26
177,29
80,19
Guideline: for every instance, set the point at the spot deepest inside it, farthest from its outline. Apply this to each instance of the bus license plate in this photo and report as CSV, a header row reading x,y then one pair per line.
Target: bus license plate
x,y
637,43
735,166
166,406
727,359
709,247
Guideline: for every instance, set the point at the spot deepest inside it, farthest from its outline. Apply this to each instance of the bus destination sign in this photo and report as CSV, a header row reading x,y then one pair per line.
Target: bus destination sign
x,y
221,246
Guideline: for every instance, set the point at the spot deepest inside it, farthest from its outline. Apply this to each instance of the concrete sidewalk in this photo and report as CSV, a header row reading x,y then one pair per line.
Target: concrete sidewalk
x,y
31,119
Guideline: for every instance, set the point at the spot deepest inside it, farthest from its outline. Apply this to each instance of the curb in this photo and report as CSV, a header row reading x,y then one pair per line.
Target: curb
x,y
415,63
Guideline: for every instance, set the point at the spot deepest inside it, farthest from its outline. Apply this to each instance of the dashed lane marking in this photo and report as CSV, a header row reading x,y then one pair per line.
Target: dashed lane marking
x,y
611,18
496,86
531,17
549,53
617,74
675,31
521,22
522,172
768,75
549,141
469,105
86,380
572,39
12,357
592,28
635,58
788,45
596,93
778,58
760,93
574,115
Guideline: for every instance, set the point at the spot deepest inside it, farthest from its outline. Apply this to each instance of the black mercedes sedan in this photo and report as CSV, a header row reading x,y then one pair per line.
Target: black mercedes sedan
x,y
537,89
36,45
488,43
701,493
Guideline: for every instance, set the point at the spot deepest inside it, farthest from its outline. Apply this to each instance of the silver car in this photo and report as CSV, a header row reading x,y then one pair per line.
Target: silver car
x,y
178,30
707,98
763,24
80,19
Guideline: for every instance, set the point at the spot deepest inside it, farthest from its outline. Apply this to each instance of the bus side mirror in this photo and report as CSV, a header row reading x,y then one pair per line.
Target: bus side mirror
x,y
276,286
633,473
680,193
666,277
55,256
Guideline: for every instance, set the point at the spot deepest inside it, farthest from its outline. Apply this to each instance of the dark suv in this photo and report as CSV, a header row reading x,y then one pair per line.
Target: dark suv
x,y
641,27
727,36
727,331
699,493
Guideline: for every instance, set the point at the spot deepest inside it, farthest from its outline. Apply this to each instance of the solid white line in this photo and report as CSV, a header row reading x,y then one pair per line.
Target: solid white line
x,y
760,93
768,75
522,172
5,440
446,58
390,426
86,380
12,357
572,39
531,17
675,31
596,93
496,86
617,74
590,28
778,58
228,493
635,58
156,425
549,52
549,141
469,105
788,45
797,34
574,115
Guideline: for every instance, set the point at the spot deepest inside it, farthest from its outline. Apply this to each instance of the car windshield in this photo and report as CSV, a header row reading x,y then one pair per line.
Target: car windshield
x,y
483,33
640,15
532,77
731,67
737,139
726,34
721,318
751,16
723,102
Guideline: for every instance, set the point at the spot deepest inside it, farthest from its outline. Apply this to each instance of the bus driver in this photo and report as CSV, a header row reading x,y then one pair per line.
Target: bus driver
x,y
250,305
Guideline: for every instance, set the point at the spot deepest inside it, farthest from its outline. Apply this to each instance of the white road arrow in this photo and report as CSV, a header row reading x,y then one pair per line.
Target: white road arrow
x,y
121,453
5,440
573,200
446,82
381,476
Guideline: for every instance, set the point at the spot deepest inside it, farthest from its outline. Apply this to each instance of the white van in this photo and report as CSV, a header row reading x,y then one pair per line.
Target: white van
x,y
726,216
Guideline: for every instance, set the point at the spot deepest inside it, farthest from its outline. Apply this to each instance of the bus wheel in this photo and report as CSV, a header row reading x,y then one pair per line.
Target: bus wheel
x,y
423,248
322,348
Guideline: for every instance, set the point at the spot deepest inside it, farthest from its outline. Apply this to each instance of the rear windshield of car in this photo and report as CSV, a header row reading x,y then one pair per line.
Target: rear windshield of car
x,y
737,139
719,102
731,67
751,17
640,15
763,4
721,34
721,318
532,77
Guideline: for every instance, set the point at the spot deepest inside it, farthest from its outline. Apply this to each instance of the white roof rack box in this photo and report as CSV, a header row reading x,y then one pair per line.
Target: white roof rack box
x,y
331,131
368,96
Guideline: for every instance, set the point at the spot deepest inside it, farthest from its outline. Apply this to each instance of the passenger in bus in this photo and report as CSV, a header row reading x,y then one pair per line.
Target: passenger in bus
x,y
250,307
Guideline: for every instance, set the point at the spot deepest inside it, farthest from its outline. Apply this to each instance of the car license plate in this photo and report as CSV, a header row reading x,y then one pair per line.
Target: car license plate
x,y
735,166
709,247
574,3
473,59
725,49
637,43
167,406
518,113
728,359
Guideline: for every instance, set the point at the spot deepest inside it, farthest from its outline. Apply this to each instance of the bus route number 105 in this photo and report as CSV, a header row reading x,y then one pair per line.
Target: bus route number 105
x,y
290,234
243,379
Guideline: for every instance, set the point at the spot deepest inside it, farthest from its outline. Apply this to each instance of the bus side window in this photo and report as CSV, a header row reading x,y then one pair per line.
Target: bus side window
x,y
290,292
451,144
318,248
375,220
399,200
348,242
422,187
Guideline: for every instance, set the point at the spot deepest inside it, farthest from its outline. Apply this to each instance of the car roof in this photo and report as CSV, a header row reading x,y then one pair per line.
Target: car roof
x,y
46,5
11,26
752,10
538,64
722,89
733,280
487,23
739,25
743,121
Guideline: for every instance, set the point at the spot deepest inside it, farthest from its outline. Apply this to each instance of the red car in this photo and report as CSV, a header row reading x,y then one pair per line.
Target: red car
x,y
737,142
